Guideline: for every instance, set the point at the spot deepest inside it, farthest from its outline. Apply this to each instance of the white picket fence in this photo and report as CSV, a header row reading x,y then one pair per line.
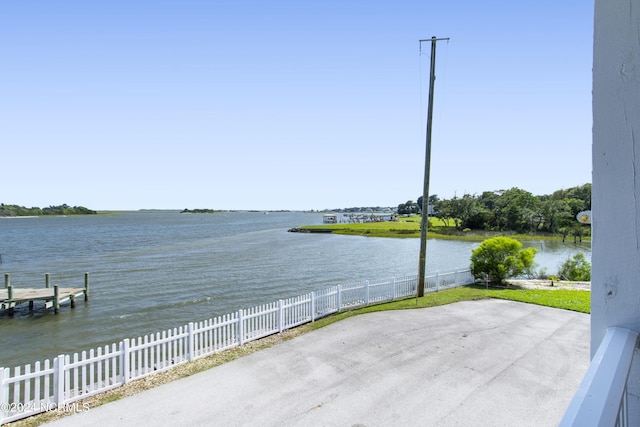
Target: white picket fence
x,y
58,384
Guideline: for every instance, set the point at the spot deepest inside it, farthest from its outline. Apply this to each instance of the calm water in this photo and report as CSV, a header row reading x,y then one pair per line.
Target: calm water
x,y
151,271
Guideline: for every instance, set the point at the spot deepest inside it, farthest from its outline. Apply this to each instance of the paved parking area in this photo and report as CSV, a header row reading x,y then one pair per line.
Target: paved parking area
x,y
474,363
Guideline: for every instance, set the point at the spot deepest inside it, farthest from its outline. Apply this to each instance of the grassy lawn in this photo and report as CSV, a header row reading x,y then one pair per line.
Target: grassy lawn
x,y
566,299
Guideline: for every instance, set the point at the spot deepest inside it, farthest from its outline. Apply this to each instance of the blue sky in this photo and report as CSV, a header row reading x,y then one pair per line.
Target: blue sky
x,y
289,104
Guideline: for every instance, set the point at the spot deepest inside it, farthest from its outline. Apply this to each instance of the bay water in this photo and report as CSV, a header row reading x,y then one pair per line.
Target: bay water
x,y
155,270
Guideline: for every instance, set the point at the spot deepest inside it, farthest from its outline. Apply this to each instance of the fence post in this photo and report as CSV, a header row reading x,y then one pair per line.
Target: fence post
x,y
312,304
190,342
240,328
124,366
58,380
280,316
339,297
4,397
437,281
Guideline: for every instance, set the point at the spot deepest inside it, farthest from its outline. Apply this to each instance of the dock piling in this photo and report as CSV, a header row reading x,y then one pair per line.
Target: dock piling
x,y
47,278
56,300
86,286
6,280
9,296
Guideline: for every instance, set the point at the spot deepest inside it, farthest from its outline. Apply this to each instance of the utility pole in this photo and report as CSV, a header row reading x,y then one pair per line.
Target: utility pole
x,y
427,169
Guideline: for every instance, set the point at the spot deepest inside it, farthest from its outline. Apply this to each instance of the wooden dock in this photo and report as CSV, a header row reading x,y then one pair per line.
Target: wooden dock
x,y
52,297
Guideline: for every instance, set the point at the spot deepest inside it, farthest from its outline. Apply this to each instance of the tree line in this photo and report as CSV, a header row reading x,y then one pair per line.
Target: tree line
x,y
64,209
510,210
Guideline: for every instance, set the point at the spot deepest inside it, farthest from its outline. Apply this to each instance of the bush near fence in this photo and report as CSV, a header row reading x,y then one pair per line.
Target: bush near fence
x,y
29,390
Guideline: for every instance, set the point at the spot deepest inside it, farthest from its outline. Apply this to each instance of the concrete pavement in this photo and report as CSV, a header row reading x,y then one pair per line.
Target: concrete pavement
x,y
474,363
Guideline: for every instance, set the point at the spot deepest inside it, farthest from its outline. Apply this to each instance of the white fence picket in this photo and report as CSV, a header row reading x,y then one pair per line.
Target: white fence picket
x,y
31,390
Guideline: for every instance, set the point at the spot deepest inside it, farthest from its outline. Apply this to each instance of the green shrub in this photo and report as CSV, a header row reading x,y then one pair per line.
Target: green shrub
x,y
576,269
501,257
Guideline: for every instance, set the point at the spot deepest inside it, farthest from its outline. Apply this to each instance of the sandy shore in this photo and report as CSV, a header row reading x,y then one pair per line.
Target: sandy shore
x,y
550,285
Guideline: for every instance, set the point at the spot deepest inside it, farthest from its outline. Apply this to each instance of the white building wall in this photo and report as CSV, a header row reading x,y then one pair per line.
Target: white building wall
x,y
615,279
616,167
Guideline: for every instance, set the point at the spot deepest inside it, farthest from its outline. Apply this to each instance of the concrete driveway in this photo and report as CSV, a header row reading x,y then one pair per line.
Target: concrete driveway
x,y
475,363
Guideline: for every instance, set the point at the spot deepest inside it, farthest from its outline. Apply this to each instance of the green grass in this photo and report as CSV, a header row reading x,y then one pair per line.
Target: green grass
x,y
566,299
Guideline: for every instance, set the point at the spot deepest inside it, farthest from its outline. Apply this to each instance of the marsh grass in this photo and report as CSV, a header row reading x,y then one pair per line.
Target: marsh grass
x,y
410,227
